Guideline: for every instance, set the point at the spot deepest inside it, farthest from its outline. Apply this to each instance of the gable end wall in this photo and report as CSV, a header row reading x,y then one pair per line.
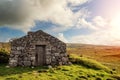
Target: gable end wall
x,y
23,50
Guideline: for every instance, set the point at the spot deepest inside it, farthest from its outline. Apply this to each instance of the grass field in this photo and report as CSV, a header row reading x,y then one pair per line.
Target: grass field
x,y
73,72
107,55
82,69
86,66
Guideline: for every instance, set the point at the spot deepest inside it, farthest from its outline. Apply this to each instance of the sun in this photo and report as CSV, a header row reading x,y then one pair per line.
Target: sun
x,y
116,21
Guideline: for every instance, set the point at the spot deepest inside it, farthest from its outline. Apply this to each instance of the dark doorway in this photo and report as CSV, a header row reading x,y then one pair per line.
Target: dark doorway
x,y
40,55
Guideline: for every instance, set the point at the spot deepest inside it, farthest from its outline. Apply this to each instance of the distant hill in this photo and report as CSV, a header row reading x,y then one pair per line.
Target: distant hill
x,y
107,55
6,46
79,45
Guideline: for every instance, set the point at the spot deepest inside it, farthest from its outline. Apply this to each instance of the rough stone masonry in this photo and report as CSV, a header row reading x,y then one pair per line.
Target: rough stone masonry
x,y
38,49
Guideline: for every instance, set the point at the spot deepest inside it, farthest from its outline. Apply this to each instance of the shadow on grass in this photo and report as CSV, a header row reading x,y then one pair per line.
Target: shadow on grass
x,y
18,70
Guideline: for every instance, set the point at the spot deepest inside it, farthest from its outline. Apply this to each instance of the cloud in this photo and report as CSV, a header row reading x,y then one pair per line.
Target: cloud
x,y
76,17
82,23
77,2
99,38
16,14
62,38
105,33
99,21
96,23
21,14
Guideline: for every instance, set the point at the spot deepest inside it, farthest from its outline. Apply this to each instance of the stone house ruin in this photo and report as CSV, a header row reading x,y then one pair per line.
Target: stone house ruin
x,y
38,49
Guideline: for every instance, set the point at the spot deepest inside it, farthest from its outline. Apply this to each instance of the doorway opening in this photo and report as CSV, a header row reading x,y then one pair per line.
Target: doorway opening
x,y
40,55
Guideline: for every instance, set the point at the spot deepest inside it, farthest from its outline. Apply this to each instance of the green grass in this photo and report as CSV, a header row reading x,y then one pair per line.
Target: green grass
x,y
89,63
84,69
72,72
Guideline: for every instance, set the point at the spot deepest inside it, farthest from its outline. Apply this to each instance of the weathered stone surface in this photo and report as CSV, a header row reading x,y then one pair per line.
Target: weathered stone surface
x,y
23,50
13,64
13,61
32,58
57,54
27,63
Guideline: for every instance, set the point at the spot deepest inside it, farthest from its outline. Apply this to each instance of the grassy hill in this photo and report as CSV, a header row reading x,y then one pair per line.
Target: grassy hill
x,y
85,66
107,55
81,69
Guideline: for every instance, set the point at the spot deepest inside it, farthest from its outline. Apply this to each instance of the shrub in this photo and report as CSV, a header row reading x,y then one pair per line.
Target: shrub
x,y
89,63
4,56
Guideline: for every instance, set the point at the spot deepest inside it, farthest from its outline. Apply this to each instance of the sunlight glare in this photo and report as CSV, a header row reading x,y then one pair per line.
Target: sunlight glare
x,y
115,23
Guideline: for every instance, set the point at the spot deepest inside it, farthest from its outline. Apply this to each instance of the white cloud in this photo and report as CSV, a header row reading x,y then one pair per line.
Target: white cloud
x,y
94,38
20,14
105,32
96,23
99,21
99,38
77,2
82,23
62,38
76,17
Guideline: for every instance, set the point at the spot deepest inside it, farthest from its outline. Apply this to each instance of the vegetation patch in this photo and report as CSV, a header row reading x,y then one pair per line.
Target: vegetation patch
x,y
4,56
81,69
89,63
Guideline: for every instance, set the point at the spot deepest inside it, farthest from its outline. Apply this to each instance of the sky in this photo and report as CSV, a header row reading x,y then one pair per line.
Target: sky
x,y
72,21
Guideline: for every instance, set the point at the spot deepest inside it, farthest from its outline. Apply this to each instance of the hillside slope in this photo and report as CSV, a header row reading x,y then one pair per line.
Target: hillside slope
x,y
107,55
81,69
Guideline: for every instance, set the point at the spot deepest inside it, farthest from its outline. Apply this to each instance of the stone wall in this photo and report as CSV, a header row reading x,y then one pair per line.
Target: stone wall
x,y
23,50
